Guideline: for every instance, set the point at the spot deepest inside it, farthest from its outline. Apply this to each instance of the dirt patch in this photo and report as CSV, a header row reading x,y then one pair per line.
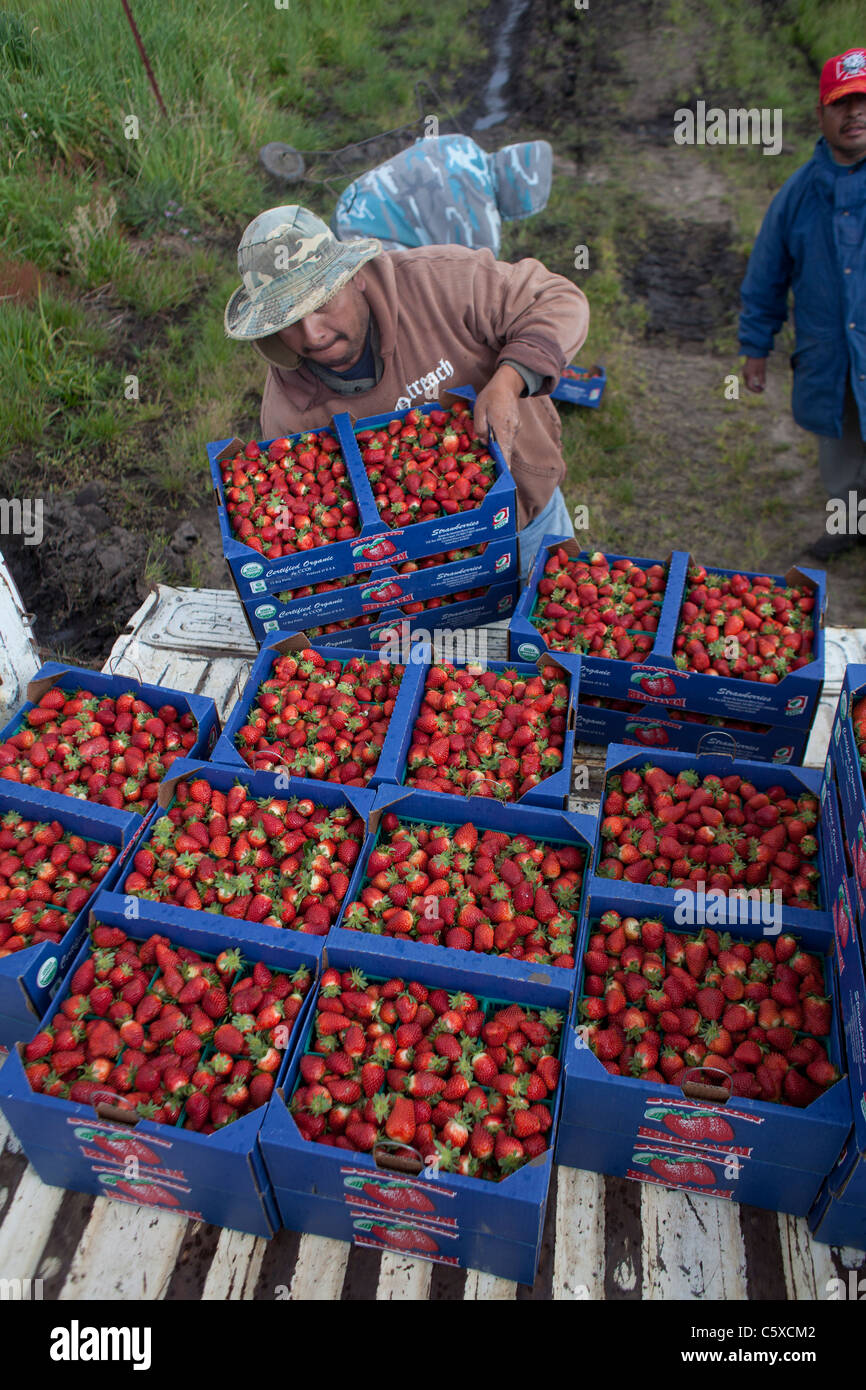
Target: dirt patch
x,y
683,272
84,575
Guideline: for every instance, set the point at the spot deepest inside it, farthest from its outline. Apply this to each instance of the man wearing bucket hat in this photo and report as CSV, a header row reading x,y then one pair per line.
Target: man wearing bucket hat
x,y
348,326
813,240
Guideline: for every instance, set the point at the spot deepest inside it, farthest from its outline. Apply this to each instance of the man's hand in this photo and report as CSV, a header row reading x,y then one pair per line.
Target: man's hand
x,y
496,408
755,374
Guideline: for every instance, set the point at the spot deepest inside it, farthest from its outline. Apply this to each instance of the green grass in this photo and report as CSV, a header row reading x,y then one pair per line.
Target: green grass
x,y
51,367
144,229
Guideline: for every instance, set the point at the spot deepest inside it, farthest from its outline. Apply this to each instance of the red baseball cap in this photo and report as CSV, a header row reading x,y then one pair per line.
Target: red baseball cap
x,y
843,74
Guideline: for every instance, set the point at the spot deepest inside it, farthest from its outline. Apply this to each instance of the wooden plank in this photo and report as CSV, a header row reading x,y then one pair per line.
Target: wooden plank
x,y
808,1265
321,1269
447,1284
278,1266
403,1279
486,1288
623,1262
13,1166
19,659
235,1267
193,1262
126,1252
578,1266
843,646
819,738
692,1246
224,681
362,1274
69,1226
27,1225
766,1276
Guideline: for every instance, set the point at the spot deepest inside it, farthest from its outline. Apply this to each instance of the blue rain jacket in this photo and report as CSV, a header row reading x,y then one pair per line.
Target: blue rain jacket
x,y
813,240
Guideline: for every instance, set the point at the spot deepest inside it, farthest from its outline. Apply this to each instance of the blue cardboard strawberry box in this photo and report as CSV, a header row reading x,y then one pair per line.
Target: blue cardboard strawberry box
x,y
785,1151
795,781
554,789
220,915
386,769
29,977
376,544
105,1148
504,963
657,679
394,1179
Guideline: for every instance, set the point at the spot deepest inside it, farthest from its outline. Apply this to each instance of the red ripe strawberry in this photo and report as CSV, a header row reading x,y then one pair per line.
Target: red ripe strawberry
x,y
817,1015
312,1067
524,1123
228,1038
711,1003
214,1002
362,1136
609,1043
799,1090
372,1078
823,1072
261,1088
548,1069
40,1046
696,957
197,1110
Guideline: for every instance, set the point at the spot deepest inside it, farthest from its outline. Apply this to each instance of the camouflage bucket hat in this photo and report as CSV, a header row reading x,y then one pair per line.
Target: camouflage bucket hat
x,y
290,263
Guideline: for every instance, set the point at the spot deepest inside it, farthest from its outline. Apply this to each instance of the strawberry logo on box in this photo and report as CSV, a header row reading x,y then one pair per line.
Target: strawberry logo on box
x,y
408,1239
375,549
656,684
381,593
118,1145
398,1196
650,735
142,1190
693,1125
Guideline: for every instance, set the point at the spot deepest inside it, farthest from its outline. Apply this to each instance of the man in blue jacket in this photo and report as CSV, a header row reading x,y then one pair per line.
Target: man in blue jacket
x,y
813,240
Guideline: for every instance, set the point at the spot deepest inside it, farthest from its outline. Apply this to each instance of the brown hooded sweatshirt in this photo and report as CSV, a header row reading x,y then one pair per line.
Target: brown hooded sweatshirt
x,y
448,317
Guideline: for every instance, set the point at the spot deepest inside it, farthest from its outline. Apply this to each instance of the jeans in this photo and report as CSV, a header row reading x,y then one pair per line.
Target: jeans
x,y
554,520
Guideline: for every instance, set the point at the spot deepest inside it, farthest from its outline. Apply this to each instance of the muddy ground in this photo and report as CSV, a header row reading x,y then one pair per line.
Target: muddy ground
x,y
678,260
